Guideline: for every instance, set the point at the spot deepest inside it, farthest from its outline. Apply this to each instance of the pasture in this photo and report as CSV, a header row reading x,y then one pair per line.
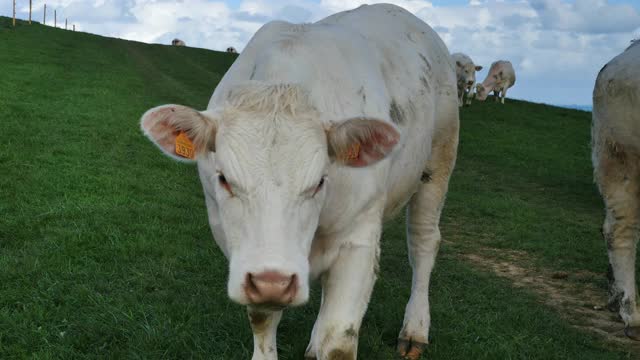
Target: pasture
x,y
105,249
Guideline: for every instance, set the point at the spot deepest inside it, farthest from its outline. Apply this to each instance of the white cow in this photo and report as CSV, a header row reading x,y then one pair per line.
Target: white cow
x,y
232,50
177,42
466,74
616,160
501,77
316,135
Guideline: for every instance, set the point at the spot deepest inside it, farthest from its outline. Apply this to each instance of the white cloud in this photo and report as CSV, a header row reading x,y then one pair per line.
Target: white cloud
x,y
100,11
556,46
592,16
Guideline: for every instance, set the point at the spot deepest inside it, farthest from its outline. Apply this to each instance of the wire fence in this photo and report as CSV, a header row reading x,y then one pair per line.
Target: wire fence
x,y
44,16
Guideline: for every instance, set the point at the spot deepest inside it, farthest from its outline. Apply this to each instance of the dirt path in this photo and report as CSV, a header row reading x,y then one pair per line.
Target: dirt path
x,y
582,304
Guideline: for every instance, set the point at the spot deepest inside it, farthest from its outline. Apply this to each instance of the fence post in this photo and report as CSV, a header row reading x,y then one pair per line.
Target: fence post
x,y
55,18
14,13
30,11
74,27
44,19
65,23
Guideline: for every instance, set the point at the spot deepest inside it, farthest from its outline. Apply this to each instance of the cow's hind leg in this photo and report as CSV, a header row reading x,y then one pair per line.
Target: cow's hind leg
x,y
503,95
264,324
423,239
617,175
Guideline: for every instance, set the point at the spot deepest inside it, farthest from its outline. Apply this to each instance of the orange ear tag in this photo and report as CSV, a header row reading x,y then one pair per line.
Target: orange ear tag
x,y
184,146
352,153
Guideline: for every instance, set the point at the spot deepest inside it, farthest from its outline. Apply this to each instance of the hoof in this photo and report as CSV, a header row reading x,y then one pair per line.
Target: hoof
x,y
409,349
341,355
632,332
310,353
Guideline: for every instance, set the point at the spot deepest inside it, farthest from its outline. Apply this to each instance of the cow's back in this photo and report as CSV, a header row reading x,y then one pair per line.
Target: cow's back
x,y
410,51
420,82
616,100
344,54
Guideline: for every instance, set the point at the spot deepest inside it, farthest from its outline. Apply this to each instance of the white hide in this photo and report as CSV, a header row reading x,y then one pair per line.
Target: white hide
x,y
278,114
500,78
616,161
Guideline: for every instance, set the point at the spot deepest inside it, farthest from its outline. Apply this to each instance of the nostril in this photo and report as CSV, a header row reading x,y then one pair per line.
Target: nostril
x,y
250,286
292,289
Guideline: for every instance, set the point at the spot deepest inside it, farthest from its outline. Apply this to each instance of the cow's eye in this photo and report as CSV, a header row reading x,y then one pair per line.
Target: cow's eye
x,y
319,186
223,182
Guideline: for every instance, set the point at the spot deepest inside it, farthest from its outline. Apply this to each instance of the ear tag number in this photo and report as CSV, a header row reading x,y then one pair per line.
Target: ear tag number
x,y
352,153
184,146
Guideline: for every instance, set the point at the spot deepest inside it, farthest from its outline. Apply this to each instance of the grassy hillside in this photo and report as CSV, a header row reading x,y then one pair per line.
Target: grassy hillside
x,y
105,250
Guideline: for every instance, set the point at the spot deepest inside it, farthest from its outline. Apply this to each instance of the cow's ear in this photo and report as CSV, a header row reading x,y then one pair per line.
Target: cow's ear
x,y
478,67
360,142
458,63
179,131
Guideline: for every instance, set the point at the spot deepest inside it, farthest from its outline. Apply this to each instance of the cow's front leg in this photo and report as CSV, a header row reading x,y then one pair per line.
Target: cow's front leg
x,y
264,324
346,290
469,95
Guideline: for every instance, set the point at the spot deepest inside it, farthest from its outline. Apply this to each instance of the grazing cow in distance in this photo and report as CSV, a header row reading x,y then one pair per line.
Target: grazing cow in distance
x,y
316,135
501,77
615,136
232,50
466,74
177,42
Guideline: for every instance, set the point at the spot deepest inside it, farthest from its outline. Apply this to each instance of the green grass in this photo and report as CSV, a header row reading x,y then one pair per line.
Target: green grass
x,y
524,181
105,250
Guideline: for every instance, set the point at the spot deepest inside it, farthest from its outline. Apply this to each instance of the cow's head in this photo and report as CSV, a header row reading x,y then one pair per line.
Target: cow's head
x,y
481,92
466,72
264,159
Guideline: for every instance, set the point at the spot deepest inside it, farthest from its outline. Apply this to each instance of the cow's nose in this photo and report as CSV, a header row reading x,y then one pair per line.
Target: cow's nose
x,y
271,288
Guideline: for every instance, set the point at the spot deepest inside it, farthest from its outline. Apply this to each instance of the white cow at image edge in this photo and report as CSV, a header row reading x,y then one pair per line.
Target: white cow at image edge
x,y
615,136
500,78
315,136
466,75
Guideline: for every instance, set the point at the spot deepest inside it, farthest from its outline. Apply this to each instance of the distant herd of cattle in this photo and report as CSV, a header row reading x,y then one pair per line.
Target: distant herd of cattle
x,y
178,42
500,78
318,133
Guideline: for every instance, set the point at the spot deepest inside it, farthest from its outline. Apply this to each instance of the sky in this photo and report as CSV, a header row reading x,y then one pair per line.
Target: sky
x,y
557,47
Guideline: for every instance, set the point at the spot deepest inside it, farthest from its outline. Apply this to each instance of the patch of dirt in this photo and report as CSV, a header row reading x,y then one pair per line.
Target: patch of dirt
x,y
582,304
